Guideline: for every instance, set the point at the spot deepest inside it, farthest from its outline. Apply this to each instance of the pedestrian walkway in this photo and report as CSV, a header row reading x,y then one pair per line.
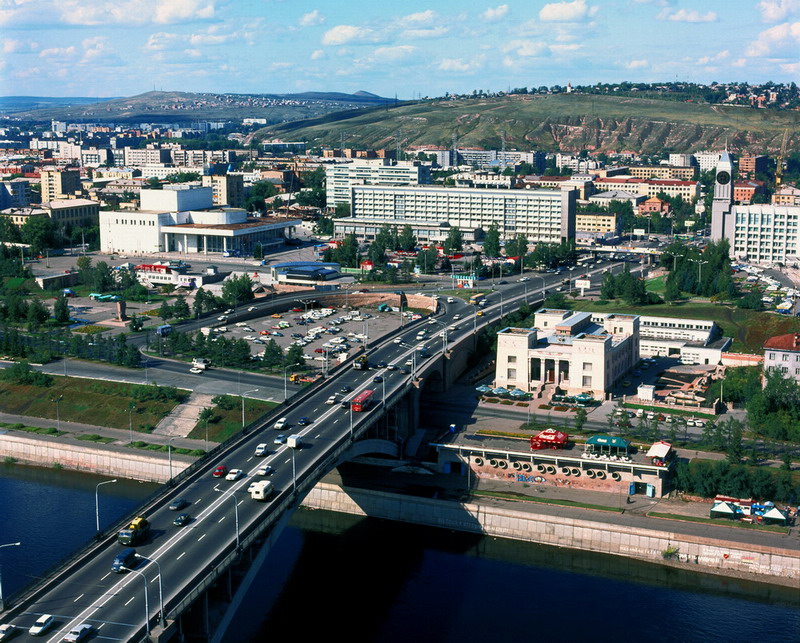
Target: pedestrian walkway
x,y
184,417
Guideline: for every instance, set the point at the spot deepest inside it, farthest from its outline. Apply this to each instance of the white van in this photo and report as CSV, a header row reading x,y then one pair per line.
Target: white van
x,y
280,424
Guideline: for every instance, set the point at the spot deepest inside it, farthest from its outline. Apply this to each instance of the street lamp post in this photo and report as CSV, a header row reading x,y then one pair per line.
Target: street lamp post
x,y
285,390
162,621
2,606
236,512
131,409
169,450
146,602
58,412
97,502
294,471
351,422
242,396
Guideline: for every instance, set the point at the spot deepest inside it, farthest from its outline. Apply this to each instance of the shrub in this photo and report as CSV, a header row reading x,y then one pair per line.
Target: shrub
x,y
9,460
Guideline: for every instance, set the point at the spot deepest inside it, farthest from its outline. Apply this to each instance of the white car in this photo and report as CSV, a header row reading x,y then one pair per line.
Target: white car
x,y
78,633
331,400
222,318
455,317
42,624
249,338
266,470
397,340
251,309
234,474
7,631
241,324
261,450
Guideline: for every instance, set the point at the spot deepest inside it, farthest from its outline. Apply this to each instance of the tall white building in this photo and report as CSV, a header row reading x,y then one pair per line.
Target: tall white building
x,y
341,177
541,215
708,160
759,233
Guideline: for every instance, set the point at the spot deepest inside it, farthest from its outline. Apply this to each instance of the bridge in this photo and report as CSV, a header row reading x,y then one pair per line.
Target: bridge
x,y
178,570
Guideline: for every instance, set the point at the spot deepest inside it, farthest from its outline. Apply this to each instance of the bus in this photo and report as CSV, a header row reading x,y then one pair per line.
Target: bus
x,y
361,401
477,298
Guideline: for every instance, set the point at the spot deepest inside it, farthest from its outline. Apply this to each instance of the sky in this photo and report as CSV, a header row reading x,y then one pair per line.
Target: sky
x,y
410,48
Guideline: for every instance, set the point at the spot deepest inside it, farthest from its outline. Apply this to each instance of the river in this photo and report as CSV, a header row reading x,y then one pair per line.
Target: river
x,y
337,576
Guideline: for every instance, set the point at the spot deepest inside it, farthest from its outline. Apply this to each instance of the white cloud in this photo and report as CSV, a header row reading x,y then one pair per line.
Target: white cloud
x,y
59,52
418,19
199,39
317,54
791,68
193,53
496,13
343,34
280,65
433,32
312,18
567,11
160,41
526,48
722,55
95,47
739,62
103,12
774,10
458,64
687,15
777,38
393,53
637,64
11,46
562,50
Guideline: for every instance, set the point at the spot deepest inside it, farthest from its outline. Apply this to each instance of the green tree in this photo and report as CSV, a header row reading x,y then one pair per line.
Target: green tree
x,y
136,323
39,232
341,210
294,356
102,279
406,239
237,289
180,309
607,288
580,418
259,193
165,312
273,354
37,315
426,260
491,242
454,241
61,309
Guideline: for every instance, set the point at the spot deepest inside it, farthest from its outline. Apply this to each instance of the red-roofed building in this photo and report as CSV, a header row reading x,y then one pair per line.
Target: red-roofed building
x,y
744,191
782,353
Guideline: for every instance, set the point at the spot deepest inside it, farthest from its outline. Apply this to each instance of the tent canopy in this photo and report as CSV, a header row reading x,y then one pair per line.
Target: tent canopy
x,y
775,515
725,508
608,441
659,450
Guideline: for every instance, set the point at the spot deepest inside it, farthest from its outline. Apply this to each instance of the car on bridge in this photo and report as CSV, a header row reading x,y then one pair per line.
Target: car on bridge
x,y
42,624
262,450
346,389
79,633
7,631
195,370
181,520
234,474
377,379
178,504
303,421
266,470
220,471
281,439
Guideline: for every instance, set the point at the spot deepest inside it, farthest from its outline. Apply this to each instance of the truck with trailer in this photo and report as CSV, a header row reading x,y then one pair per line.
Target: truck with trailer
x,y
361,363
136,531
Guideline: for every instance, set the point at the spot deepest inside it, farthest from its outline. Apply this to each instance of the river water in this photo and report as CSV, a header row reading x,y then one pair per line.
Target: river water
x,y
335,576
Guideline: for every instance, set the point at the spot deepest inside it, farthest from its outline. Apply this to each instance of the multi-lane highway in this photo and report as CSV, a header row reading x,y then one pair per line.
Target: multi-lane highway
x,y
173,558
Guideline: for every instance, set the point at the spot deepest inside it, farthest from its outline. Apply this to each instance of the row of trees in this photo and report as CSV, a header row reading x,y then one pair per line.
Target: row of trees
x,y
707,274
708,478
18,310
630,289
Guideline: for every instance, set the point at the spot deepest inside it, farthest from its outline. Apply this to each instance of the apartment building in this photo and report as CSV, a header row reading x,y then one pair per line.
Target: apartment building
x,y
683,173
340,178
744,191
596,222
72,212
541,215
147,156
15,193
782,353
653,205
226,189
752,164
786,195
60,184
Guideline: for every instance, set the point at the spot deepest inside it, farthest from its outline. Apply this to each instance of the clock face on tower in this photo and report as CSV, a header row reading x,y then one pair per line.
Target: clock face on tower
x,y
723,178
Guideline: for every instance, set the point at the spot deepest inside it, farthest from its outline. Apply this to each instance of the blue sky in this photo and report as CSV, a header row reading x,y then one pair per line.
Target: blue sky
x,y
125,47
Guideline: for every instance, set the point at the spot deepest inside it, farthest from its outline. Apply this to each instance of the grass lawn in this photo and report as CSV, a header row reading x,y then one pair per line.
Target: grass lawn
x,y
748,328
546,501
724,522
51,430
227,422
657,285
90,401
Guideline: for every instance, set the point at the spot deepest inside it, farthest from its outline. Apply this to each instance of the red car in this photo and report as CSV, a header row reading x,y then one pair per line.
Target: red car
x,y
220,471
319,350
297,310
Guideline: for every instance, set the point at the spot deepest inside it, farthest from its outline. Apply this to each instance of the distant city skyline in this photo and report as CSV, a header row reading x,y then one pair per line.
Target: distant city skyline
x,y
126,47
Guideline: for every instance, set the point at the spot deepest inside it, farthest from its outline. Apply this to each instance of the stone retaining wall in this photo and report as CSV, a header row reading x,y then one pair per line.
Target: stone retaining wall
x,y
690,552
90,457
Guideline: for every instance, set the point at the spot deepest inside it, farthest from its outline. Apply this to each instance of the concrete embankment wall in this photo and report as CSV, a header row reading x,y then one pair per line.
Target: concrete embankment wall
x,y
768,564
90,457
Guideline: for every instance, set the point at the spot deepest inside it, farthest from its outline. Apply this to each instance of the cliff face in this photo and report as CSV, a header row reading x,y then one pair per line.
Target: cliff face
x,y
567,123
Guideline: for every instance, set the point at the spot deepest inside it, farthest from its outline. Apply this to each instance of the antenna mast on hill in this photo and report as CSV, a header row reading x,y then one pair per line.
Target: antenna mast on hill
x,y
341,140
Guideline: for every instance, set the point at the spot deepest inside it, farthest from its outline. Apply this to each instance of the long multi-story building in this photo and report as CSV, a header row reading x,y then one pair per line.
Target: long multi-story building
x,y
752,164
541,215
341,177
147,156
662,172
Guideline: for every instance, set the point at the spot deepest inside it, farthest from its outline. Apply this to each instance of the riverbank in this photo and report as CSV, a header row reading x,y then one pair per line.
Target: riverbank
x,y
665,545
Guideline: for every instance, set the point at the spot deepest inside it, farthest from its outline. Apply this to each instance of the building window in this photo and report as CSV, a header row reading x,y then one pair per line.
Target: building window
x,y
587,366
511,374
512,359
587,380
785,357
772,355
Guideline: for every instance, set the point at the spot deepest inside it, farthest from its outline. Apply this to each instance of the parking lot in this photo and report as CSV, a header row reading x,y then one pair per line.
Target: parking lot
x,y
318,331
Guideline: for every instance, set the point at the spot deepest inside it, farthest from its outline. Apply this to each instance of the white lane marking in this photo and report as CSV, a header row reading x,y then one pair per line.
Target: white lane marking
x,y
77,599
129,600
201,537
100,626
197,502
106,576
240,502
336,420
287,460
316,437
221,519
181,556
250,458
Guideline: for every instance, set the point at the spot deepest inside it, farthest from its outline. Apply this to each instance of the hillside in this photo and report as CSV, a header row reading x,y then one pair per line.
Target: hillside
x,y
565,122
185,106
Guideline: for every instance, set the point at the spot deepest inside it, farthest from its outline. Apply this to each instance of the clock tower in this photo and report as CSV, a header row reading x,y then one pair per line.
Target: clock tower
x,y
722,225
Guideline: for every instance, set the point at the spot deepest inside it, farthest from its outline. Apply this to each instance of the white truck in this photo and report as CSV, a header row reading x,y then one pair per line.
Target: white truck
x,y
261,490
206,330
201,362
293,441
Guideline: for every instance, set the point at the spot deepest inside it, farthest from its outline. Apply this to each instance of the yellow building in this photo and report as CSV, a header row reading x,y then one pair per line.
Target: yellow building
x,y
60,184
662,172
596,222
72,212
